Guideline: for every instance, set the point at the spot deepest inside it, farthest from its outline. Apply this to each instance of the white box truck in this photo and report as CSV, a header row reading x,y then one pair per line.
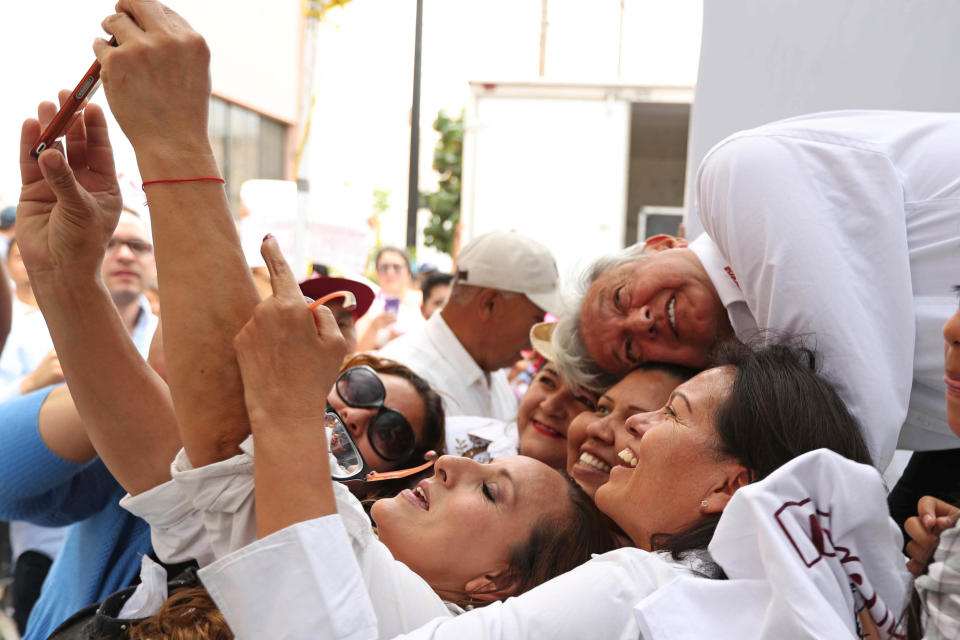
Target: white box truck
x,y
574,165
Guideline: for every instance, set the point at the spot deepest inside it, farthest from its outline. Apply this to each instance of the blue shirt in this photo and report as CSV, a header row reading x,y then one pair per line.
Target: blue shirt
x,y
104,543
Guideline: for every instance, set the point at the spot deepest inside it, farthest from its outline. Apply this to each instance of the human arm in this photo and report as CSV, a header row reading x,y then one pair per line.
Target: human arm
x,y
157,82
934,516
6,306
288,595
289,357
815,234
37,484
369,328
67,213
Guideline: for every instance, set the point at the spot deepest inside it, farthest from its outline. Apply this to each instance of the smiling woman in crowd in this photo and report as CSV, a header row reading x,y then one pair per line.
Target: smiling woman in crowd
x,y
544,415
597,437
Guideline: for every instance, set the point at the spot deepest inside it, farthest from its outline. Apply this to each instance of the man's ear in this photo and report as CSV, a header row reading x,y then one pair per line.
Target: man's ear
x,y
486,302
661,242
736,476
491,587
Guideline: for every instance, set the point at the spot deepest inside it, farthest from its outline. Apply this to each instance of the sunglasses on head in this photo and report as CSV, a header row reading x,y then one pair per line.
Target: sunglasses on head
x,y
389,432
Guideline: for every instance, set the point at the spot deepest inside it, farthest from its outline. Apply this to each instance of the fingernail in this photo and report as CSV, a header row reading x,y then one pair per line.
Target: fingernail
x,y
53,160
267,237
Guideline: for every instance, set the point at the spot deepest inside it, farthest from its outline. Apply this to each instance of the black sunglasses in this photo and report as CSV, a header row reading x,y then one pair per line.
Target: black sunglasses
x,y
389,432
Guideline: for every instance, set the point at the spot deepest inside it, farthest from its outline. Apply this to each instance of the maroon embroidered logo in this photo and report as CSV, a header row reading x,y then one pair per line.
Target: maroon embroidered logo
x,y
732,275
808,531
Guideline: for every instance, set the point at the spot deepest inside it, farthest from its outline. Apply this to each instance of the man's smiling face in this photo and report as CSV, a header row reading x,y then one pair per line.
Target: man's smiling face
x,y
659,309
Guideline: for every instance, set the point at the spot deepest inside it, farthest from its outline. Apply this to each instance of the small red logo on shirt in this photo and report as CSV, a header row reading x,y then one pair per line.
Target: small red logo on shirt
x,y
732,275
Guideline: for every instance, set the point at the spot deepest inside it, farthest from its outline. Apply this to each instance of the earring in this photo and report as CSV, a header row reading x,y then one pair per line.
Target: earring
x,y
703,504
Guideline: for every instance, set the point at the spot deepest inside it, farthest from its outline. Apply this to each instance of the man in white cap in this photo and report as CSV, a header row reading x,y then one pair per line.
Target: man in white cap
x,y
504,284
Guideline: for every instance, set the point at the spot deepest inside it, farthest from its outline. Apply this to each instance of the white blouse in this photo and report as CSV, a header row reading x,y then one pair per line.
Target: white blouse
x,y
209,513
804,550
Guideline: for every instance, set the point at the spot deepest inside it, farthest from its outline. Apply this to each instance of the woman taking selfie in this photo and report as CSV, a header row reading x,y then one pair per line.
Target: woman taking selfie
x,y
509,525
724,429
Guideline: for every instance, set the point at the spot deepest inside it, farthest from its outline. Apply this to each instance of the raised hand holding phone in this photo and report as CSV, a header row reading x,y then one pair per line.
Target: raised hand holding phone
x,y
70,109
68,206
157,81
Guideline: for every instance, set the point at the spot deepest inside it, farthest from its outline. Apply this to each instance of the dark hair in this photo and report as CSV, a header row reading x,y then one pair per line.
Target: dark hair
x,y
558,543
434,279
433,436
778,408
677,371
403,254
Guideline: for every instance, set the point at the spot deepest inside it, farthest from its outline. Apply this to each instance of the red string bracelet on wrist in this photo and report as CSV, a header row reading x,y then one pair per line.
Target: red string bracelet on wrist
x,y
210,179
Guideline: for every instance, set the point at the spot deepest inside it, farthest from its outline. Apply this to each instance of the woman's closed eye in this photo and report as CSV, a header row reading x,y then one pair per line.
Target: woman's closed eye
x,y
488,493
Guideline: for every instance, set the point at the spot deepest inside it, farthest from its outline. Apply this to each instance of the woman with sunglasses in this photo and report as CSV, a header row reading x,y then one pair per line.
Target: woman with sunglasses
x,y
392,413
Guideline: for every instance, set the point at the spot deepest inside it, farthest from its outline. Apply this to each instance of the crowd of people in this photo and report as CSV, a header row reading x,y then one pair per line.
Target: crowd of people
x,y
697,450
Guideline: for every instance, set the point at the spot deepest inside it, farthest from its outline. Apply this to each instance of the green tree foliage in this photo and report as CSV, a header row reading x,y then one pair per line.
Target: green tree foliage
x,y
444,203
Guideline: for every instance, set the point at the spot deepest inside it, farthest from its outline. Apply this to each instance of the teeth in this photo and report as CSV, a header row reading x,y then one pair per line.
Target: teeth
x,y
419,492
627,456
596,463
670,314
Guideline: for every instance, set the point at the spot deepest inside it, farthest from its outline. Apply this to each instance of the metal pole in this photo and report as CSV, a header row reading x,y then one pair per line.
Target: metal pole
x,y
413,193
619,41
543,38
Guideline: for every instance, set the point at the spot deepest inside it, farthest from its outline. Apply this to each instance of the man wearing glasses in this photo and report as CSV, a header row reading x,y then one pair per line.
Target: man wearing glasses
x,y
29,363
128,267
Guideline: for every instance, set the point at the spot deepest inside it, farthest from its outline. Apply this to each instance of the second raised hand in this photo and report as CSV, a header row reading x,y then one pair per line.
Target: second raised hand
x,y
289,355
67,212
157,81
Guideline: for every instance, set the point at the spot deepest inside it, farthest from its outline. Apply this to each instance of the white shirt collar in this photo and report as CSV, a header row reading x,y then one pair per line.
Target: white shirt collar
x,y
447,343
718,269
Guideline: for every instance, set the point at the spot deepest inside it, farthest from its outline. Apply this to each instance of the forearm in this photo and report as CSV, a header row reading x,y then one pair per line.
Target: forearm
x,y
122,406
62,430
207,295
291,476
6,305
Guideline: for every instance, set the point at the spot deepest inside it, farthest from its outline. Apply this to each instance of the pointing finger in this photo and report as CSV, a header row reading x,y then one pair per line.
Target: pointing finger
x,y
282,281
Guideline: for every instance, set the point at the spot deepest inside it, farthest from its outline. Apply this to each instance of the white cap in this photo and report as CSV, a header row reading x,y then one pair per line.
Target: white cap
x,y
508,261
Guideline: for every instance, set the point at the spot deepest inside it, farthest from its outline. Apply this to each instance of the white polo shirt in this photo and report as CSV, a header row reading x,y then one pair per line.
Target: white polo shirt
x,y
433,352
845,226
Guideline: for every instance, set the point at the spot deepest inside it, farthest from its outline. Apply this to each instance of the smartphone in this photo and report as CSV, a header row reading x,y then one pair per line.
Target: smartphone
x,y
392,305
72,108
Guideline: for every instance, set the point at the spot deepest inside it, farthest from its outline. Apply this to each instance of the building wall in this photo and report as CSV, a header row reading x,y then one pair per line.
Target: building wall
x,y
255,51
48,46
